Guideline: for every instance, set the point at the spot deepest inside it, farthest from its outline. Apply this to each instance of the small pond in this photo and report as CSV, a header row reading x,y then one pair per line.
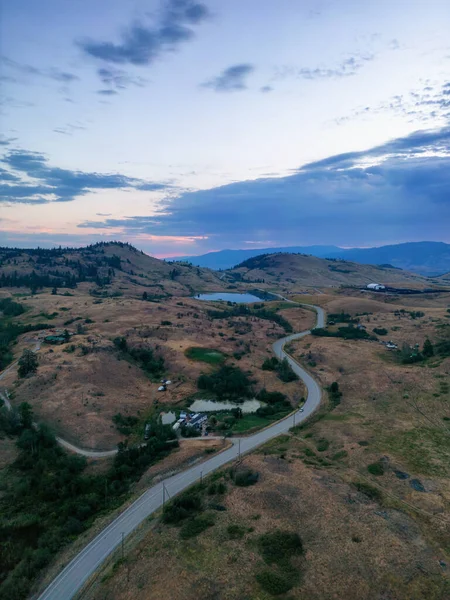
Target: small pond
x,y
168,418
249,406
226,297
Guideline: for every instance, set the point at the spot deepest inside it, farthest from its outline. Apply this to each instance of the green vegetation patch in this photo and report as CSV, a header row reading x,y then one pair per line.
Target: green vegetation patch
x,y
47,499
193,527
279,546
274,583
376,469
369,490
425,449
227,382
207,355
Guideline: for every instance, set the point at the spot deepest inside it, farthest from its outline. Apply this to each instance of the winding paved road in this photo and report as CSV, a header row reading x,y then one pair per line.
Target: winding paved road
x,y
72,578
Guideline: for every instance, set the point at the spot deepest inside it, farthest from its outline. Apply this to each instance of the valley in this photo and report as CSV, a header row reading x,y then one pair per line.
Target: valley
x,y
371,461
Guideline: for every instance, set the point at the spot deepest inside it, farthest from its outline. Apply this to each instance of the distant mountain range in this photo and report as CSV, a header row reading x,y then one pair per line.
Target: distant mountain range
x,y
426,258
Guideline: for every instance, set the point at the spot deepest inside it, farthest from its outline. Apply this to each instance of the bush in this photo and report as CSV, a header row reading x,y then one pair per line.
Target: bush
x,y
9,308
182,507
227,382
380,331
279,546
271,397
235,531
372,492
193,527
125,424
334,394
348,333
273,583
376,468
285,372
245,477
322,445
28,363
270,364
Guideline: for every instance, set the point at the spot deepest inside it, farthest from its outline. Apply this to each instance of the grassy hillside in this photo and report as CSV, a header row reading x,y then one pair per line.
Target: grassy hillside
x,y
103,269
296,270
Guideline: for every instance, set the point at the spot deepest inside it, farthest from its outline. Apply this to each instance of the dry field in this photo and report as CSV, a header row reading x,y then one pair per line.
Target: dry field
x,y
354,548
391,543
78,393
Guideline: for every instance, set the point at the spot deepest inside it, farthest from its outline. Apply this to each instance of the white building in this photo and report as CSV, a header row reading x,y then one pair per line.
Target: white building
x,y
376,286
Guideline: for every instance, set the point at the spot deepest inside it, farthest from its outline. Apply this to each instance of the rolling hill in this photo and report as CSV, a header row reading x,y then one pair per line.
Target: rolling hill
x,y
425,258
290,270
104,269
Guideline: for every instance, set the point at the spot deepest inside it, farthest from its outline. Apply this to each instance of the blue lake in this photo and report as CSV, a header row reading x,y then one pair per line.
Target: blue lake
x,y
224,296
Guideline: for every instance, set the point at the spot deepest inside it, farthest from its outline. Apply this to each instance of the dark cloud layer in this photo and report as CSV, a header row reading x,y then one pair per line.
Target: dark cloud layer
x,y
52,184
397,191
232,79
142,44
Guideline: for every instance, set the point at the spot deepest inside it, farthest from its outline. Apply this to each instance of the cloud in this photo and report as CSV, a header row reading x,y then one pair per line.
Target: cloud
x,y
395,191
427,105
69,129
118,79
142,44
50,73
265,89
52,184
107,92
4,141
346,68
230,80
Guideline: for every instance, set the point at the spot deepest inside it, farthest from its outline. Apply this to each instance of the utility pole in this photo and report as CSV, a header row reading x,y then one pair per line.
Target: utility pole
x,y
164,494
123,536
294,418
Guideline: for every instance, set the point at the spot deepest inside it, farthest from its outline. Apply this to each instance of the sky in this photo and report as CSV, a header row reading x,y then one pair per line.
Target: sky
x,y
185,126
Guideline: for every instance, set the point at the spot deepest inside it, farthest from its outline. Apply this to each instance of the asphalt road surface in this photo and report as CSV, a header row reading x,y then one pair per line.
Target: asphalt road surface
x,y
72,578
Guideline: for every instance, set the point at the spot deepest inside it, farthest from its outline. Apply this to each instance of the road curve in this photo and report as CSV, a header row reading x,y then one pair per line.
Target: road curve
x,y
72,578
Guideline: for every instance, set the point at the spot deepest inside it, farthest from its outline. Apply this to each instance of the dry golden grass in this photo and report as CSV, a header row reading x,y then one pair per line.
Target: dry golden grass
x,y
337,524
77,394
355,547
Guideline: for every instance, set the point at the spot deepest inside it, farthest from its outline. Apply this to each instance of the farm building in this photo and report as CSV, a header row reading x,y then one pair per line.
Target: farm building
x,y
376,286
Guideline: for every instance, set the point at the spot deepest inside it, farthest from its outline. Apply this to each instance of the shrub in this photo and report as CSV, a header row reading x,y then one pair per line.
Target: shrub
x,y
285,372
428,349
28,363
279,546
376,468
322,445
183,506
270,364
272,397
273,583
380,331
9,308
125,424
227,382
334,394
245,477
235,531
369,490
193,527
